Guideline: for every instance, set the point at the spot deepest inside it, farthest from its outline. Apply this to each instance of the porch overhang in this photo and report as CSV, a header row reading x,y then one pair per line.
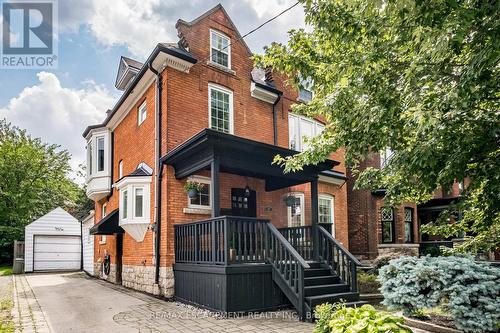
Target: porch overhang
x,y
107,225
241,156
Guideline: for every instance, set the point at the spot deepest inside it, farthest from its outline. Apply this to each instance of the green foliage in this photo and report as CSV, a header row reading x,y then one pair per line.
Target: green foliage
x,y
368,283
420,78
339,318
469,290
190,185
5,270
33,181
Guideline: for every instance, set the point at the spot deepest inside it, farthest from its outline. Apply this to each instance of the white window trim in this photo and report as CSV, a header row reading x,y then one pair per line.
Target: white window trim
x,y
135,188
227,50
298,119
141,107
231,109
130,184
331,198
300,195
202,180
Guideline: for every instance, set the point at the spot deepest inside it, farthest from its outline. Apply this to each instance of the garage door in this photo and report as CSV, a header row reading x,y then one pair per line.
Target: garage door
x,y
57,253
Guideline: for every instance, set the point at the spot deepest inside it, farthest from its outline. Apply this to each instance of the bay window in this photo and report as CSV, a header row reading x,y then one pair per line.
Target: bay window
x,y
98,178
300,129
134,210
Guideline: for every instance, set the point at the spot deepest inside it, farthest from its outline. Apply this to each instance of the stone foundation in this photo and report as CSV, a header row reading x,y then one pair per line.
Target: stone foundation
x,y
142,278
98,272
398,249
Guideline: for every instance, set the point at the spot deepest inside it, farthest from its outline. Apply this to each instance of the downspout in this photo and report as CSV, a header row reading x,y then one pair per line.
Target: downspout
x,y
275,120
159,170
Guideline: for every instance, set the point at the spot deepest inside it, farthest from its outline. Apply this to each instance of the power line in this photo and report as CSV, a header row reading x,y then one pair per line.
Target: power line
x,y
254,30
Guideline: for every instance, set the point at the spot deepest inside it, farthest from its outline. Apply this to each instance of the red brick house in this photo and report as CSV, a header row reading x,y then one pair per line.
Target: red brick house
x,y
376,230
251,237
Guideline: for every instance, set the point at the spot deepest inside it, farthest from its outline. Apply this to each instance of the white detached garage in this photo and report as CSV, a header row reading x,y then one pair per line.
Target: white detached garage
x,y
53,242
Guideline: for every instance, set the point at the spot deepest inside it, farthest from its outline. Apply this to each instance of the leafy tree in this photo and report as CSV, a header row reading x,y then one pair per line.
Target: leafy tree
x,y
33,181
418,77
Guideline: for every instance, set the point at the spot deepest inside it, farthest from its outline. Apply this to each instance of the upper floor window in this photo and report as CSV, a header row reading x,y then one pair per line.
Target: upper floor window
x,y
124,207
89,158
221,109
220,49
300,128
142,113
100,154
385,157
305,92
202,200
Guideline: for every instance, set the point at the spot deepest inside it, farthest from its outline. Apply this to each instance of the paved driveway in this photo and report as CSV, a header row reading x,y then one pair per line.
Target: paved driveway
x,y
73,302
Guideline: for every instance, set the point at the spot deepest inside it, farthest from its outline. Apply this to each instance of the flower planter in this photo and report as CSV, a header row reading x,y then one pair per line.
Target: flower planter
x,y
430,327
192,193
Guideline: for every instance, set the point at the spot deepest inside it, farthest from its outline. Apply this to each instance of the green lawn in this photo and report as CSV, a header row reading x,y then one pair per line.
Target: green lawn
x,y
5,270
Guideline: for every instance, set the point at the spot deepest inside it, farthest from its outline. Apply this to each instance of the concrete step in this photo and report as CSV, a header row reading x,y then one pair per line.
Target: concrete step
x,y
332,298
321,280
325,289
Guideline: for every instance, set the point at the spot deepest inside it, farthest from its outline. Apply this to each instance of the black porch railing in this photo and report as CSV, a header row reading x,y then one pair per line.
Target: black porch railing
x,y
206,242
301,240
340,261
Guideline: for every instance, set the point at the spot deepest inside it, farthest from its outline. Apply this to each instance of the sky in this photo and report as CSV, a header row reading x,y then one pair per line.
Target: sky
x,y
57,105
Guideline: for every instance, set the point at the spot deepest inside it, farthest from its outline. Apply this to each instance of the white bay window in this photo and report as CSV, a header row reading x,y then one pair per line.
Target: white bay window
x,y
134,205
300,129
98,178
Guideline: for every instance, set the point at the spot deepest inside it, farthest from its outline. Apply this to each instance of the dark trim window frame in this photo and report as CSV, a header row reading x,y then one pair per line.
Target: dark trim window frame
x,y
388,225
408,219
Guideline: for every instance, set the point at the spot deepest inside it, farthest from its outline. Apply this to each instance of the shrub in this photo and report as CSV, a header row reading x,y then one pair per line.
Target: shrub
x,y
469,290
339,318
368,283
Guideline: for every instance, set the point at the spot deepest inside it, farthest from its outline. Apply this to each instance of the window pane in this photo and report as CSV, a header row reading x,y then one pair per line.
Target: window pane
x,y
220,49
89,157
296,211
387,232
125,204
325,210
293,132
408,225
307,131
139,202
203,198
100,154
219,110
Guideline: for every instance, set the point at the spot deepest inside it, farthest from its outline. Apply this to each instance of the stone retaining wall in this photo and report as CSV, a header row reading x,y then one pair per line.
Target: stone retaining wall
x,y
142,278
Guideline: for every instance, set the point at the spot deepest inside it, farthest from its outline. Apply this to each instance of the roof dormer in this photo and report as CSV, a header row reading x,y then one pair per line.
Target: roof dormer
x,y
127,70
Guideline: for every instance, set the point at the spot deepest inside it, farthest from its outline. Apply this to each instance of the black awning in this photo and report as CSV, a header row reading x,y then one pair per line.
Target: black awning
x,y
240,156
108,225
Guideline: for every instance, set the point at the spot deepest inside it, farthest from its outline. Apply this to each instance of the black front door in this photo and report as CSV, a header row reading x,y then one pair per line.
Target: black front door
x,y
243,205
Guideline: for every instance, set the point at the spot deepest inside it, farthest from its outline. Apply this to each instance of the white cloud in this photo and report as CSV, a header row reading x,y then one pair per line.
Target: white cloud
x,y
140,25
57,114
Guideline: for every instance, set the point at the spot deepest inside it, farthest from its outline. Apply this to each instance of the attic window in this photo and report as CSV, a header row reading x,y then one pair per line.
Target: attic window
x,y
220,49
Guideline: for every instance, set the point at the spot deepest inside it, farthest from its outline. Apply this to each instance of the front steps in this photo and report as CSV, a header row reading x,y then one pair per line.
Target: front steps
x,y
321,286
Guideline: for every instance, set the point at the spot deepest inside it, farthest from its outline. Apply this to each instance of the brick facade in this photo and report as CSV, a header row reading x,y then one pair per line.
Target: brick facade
x,y
365,224
185,113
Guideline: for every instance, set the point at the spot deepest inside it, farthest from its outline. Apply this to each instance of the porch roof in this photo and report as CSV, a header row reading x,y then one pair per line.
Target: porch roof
x,y
241,156
108,225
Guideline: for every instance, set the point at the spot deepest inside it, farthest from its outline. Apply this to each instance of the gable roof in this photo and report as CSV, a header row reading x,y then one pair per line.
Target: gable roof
x,y
55,214
210,12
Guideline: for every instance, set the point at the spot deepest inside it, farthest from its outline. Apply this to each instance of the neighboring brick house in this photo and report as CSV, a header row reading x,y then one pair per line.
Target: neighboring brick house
x,y
376,230
156,137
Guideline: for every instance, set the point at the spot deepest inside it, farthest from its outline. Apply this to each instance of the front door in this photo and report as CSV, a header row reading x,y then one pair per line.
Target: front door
x,y
243,204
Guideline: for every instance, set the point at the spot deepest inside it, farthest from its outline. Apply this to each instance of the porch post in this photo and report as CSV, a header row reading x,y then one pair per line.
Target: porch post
x,y
215,196
314,219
